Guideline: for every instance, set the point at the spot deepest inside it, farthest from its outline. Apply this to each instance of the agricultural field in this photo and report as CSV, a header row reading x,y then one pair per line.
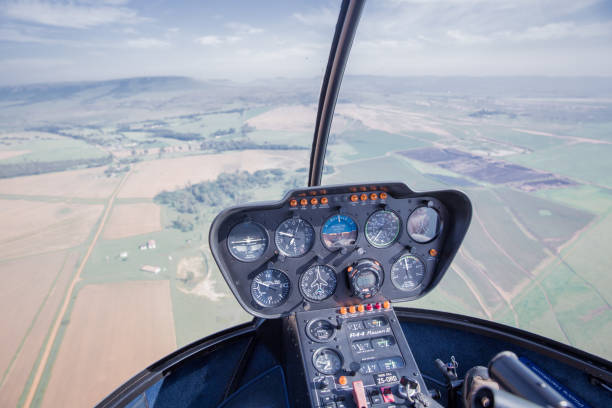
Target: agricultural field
x,y
100,223
133,219
140,311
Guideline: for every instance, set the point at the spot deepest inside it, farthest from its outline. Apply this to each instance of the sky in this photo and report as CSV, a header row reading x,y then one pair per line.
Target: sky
x,y
74,40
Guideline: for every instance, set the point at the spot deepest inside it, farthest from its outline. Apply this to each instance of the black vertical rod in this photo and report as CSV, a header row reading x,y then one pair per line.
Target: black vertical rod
x,y
348,19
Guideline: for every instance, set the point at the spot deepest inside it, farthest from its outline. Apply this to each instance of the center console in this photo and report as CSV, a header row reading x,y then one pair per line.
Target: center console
x,y
358,356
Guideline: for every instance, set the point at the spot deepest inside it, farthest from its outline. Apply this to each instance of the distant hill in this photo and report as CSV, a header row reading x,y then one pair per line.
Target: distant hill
x,y
116,87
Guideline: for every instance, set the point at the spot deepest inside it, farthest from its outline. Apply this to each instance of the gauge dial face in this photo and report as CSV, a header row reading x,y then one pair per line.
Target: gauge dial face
x,y
382,228
423,224
318,282
320,330
407,273
339,231
247,241
270,288
327,361
294,237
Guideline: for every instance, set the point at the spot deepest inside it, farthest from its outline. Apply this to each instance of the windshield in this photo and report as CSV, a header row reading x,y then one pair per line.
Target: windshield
x,y
125,127
512,104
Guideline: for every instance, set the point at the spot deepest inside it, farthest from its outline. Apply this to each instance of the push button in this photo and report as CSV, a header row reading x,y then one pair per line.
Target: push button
x,y
327,399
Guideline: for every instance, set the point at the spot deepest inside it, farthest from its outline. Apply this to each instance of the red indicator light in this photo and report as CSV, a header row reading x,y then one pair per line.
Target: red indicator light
x,y
377,306
369,307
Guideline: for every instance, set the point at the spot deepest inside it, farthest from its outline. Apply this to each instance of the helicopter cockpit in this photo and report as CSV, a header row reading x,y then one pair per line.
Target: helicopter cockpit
x,y
321,270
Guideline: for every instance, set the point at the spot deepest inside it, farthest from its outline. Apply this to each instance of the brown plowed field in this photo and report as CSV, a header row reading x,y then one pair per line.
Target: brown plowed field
x,y
13,383
133,219
31,227
115,330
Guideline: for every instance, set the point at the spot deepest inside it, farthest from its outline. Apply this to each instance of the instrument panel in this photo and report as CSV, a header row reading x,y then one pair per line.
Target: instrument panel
x,y
339,245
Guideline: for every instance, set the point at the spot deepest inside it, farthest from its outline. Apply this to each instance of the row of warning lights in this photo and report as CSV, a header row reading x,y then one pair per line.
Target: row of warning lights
x,y
324,200
362,308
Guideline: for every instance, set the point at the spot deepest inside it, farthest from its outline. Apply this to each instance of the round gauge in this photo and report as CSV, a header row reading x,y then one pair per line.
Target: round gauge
x,y
270,288
365,277
320,330
339,231
382,228
327,361
247,241
423,224
294,237
318,282
407,273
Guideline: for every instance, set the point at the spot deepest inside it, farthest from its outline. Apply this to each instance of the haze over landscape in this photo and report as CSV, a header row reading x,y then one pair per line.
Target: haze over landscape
x,y
125,127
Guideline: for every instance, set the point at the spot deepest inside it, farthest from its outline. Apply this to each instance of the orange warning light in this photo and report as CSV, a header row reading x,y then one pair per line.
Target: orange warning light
x,y
383,196
293,203
374,196
360,308
364,197
314,201
342,380
324,200
304,201
354,198
433,252
343,310
386,304
351,309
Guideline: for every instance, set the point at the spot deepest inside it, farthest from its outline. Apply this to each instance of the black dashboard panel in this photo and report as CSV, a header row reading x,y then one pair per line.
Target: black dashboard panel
x,y
309,251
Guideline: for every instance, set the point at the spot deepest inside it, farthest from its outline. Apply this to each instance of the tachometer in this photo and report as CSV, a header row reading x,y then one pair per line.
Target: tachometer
x,y
327,361
247,241
318,282
270,288
423,224
407,273
294,237
339,231
382,228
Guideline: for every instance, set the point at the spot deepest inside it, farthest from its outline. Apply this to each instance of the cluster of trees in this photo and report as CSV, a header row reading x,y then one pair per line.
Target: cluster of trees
x,y
28,168
244,144
227,189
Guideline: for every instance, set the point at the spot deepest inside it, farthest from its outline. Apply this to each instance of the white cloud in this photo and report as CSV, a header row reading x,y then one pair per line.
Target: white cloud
x,y
210,40
244,29
322,16
215,40
147,43
70,14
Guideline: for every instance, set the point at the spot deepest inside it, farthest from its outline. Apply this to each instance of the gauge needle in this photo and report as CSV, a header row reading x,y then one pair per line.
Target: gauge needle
x,y
268,284
285,234
377,235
